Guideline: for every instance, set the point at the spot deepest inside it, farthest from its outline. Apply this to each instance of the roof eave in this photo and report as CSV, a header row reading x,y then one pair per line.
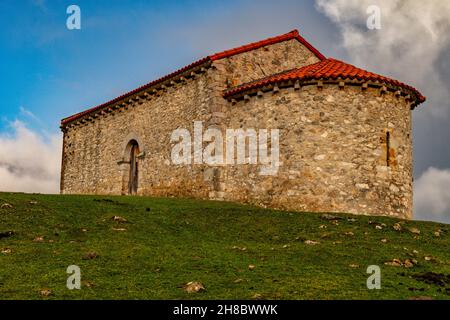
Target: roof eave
x,y
242,90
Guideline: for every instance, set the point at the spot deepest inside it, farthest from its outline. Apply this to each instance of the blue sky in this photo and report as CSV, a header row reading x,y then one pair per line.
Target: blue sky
x,y
49,72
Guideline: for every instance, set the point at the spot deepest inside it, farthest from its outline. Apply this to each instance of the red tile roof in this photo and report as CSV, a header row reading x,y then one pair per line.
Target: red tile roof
x,y
328,69
225,54
252,46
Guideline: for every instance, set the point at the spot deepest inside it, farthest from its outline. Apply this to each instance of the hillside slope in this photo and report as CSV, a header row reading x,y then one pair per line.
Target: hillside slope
x,y
166,243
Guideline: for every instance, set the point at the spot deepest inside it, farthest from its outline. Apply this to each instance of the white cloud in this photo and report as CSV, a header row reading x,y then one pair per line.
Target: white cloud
x,y
29,161
414,35
27,113
432,196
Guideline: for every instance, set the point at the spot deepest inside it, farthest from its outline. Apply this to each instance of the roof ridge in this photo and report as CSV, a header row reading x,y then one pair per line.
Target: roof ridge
x,y
294,34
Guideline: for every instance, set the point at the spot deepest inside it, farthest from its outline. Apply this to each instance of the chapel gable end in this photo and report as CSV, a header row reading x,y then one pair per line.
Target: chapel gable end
x,y
264,60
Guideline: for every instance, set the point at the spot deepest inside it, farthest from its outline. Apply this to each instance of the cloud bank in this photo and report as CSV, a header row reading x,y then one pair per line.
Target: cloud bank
x,y
412,39
29,161
432,195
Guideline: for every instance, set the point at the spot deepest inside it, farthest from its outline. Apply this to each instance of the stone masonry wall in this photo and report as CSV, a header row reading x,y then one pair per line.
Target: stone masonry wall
x,y
95,154
332,149
94,151
246,67
332,142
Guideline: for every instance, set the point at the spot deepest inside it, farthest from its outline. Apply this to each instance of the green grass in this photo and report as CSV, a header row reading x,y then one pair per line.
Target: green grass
x,y
169,242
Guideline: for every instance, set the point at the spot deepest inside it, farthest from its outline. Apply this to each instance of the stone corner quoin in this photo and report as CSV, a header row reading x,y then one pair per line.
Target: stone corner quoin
x,y
345,135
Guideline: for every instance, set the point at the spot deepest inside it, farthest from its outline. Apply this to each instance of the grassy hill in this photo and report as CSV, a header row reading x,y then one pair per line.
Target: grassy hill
x,y
166,243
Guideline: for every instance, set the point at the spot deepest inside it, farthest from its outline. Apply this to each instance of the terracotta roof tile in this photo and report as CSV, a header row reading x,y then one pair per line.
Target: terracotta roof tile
x,y
252,46
328,69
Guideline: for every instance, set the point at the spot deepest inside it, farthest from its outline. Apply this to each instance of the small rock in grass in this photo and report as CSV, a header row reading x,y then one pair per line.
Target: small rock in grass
x,y
322,226
354,266
194,287
90,255
384,240
397,227
6,251
239,248
238,280
311,242
351,220
119,229
429,258
286,246
408,263
414,230
378,227
119,219
394,263
251,267
351,234
33,203
38,239
45,292
257,296
6,206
